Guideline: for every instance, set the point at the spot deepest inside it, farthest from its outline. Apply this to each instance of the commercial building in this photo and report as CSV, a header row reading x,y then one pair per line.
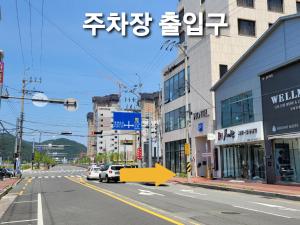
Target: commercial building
x,y
209,58
257,118
281,107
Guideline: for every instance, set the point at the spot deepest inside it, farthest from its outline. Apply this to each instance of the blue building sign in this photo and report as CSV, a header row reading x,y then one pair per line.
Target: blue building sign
x,y
200,127
127,121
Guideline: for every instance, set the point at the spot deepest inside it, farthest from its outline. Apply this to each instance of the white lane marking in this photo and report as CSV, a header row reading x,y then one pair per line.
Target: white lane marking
x,y
24,201
65,176
72,176
148,193
46,177
40,210
255,210
59,176
78,176
52,176
40,177
192,192
277,206
18,221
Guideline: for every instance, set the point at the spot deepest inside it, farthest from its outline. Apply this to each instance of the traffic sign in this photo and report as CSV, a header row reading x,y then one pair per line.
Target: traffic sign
x,y
127,121
188,167
71,104
187,149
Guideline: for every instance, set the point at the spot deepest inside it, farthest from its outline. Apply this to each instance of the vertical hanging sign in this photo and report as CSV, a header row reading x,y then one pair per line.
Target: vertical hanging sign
x,y
1,79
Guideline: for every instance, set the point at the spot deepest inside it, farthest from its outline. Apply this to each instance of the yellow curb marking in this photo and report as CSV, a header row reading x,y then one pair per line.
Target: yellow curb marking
x,y
112,195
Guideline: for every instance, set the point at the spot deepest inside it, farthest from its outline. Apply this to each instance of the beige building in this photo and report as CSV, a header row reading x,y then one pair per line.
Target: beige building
x,y
150,104
209,58
91,146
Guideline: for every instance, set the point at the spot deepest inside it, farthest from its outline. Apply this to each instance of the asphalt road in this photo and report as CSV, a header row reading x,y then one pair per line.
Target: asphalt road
x,y
63,196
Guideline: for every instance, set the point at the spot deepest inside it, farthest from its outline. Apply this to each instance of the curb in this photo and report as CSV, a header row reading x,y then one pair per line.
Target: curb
x,y
8,189
245,191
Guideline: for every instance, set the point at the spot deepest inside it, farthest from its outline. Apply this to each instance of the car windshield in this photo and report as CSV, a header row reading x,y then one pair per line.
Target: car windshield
x,y
96,169
117,167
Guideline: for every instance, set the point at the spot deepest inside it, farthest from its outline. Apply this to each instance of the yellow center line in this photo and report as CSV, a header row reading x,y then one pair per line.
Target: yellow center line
x,y
121,199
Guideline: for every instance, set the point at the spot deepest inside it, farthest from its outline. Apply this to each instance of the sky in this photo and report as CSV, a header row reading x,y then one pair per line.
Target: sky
x,y
71,62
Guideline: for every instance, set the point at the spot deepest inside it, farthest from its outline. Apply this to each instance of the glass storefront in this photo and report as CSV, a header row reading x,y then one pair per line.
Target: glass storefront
x,y
175,157
287,160
243,161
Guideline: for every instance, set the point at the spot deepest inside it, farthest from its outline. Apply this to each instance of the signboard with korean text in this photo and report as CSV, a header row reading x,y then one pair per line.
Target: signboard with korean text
x,y
127,121
249,132
1,73
281,100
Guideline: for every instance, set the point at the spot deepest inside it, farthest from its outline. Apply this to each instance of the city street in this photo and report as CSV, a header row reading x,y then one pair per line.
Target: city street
x,y
62,195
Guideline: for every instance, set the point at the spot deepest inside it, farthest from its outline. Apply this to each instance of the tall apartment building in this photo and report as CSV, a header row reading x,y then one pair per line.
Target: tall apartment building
x,y
122,142
150,108
209,58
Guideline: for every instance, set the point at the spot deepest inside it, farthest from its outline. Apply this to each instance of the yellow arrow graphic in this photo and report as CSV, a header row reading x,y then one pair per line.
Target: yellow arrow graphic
x,y
158,175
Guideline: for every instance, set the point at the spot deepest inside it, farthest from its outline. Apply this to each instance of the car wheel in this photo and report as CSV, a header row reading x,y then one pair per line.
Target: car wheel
x,y
100,179
106,179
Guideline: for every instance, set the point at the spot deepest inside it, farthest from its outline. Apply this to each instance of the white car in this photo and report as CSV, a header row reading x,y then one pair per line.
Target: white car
x,y
93,173
110,172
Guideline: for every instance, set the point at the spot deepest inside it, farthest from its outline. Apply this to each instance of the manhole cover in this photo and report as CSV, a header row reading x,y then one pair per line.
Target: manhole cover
x,y
231,213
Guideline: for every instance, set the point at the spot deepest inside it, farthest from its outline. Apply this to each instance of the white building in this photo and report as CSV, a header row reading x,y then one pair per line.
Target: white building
x,y
209,58
122,142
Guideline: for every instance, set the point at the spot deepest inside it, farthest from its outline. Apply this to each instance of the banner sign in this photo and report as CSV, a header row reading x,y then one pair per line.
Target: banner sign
x,y
281,100
1,73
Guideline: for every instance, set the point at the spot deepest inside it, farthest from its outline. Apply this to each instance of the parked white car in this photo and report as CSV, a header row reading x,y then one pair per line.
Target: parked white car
x,y
110,173
93,173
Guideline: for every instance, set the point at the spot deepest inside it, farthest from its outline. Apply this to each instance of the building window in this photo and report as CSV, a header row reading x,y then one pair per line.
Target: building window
x,y
246,27
298,6
275,5
237,110
246,3
223,69
175,86
175,119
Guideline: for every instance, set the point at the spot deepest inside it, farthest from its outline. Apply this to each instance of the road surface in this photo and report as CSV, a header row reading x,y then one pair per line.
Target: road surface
x,y
62,195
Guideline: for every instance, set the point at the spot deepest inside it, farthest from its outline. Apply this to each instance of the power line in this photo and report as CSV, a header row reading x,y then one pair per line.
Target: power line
x,y
30,31
41,35
19,31
98,60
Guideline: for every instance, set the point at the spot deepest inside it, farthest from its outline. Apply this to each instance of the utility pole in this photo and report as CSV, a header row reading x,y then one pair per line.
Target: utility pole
x,y
32,157
16,143
21,120
149,141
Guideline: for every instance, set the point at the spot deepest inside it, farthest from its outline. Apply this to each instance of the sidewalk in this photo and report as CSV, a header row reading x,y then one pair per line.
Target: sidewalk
x,y
282,191
6,185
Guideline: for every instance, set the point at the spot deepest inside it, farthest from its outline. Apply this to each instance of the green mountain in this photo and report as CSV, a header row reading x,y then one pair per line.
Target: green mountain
x,y
7,146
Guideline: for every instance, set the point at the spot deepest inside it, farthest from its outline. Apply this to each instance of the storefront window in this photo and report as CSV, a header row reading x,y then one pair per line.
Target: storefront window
x,y
287,160
175,157
243,161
